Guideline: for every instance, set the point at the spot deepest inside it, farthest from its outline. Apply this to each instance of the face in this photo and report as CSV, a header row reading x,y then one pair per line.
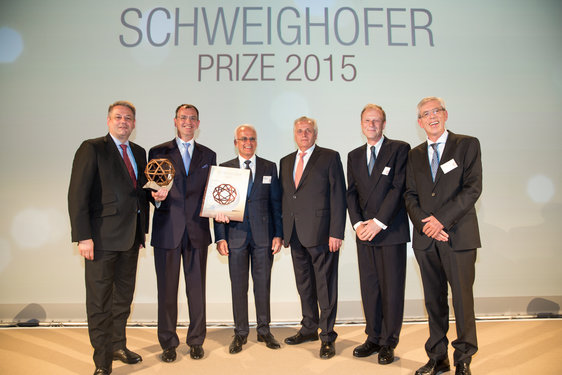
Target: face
x,y
372,124
433,118
304,135
186,123
246,141
121,122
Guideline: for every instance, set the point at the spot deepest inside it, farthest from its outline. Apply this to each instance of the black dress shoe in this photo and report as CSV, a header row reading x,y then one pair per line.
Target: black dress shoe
x,y
463,369
386,355
126,356
196,351
433,367
236,344
327,350
366,349
269,340
299,338
169,354
102,371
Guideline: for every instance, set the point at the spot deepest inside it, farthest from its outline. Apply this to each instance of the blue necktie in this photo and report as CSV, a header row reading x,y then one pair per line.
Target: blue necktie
x,y
372,161
434,160
251,182
186,158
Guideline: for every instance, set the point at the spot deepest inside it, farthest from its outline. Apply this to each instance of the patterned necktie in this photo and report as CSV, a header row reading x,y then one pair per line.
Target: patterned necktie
x,y
186,158
300,167
434,160
129,165
251,182
372,160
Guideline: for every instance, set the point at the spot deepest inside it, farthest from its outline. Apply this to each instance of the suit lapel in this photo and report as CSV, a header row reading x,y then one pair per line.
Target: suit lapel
x,y
117,159
448,153
288,169
380,163
260,172
175,157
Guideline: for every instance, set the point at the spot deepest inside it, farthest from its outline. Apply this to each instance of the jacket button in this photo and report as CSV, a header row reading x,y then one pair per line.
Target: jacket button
x,y
432,194
294,197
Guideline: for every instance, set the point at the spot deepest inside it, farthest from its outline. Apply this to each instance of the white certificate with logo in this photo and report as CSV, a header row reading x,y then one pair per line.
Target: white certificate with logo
x,y
226,192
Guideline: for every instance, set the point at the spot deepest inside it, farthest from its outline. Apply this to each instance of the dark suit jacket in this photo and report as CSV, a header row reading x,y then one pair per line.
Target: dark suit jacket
x,y
380,195
317,206
451,198
263,209
102,201
180,210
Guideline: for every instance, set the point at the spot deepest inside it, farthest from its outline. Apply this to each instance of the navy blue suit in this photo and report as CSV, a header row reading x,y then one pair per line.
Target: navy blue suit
x,y
178,232
382,261
249,241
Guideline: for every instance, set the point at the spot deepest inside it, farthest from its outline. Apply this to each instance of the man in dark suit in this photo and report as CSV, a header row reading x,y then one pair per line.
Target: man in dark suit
x,y
376,176
313,203
109,217
179,234
443,183
254,240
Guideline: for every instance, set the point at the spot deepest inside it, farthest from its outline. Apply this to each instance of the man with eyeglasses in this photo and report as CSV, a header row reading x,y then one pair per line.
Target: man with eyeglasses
x,y
180,235
109,218
252,243
443,183
376,177
313,203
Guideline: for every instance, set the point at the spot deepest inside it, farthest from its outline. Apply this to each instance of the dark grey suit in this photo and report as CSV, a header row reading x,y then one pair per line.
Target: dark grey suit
x,y
451,199
105,206
312,213
382,261
250,242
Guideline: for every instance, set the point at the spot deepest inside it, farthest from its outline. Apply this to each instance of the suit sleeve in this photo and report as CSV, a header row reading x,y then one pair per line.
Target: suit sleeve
x,y
411,196
391,204
275,203
84,170
337,198
453,210
352,195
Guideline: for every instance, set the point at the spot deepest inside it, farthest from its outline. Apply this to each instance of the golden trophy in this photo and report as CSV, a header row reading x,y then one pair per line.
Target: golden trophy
x,y
160,174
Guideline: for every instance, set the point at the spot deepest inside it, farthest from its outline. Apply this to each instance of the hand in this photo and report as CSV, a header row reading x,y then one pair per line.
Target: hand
x,y
160,195
276,245
222,247
334,244
222,218
442,236
86,248
432,227
368,230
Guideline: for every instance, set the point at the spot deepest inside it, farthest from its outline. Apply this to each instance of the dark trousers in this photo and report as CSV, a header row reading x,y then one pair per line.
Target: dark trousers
x,y
316,274
439,264
239,261
110,284
167,263
382,273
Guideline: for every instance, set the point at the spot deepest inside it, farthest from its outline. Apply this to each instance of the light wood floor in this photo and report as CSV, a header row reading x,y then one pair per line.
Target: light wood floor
x,y
506,347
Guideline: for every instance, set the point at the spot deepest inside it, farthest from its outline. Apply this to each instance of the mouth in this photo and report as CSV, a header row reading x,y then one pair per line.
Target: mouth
x,y
434,123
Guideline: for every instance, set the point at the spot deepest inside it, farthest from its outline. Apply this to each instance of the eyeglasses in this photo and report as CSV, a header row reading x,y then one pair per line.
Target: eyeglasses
x,y
435,111
185,118
246,139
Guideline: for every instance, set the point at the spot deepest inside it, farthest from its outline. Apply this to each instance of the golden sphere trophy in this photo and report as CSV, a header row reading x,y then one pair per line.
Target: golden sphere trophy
x,y
160,174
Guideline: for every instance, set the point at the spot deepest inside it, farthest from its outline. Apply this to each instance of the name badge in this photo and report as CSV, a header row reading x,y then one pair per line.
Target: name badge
x,y
449,166
266,180
386,171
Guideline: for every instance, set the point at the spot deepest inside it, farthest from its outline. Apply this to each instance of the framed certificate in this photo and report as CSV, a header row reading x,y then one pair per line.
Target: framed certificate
x,y
226,192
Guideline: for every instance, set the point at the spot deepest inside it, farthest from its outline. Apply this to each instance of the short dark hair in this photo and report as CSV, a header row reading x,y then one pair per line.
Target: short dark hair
x,y
187,106
123,103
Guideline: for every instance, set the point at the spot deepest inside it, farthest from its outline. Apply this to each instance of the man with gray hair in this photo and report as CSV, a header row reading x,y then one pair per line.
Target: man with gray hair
x,y
253,241
443,183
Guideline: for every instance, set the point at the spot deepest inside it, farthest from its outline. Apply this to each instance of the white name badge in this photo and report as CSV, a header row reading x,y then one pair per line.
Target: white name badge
x,y
449,166
266,180
386,171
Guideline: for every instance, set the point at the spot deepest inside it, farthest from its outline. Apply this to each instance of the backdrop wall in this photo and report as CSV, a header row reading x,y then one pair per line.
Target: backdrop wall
x,y
497,65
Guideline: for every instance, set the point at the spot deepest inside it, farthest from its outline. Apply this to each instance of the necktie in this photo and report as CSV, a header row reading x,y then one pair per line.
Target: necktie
x,y
129,165
300,167
251,182
434,160
186,158
372,161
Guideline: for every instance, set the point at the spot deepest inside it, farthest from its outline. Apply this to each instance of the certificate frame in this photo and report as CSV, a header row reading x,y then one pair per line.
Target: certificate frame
x,y
226,192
